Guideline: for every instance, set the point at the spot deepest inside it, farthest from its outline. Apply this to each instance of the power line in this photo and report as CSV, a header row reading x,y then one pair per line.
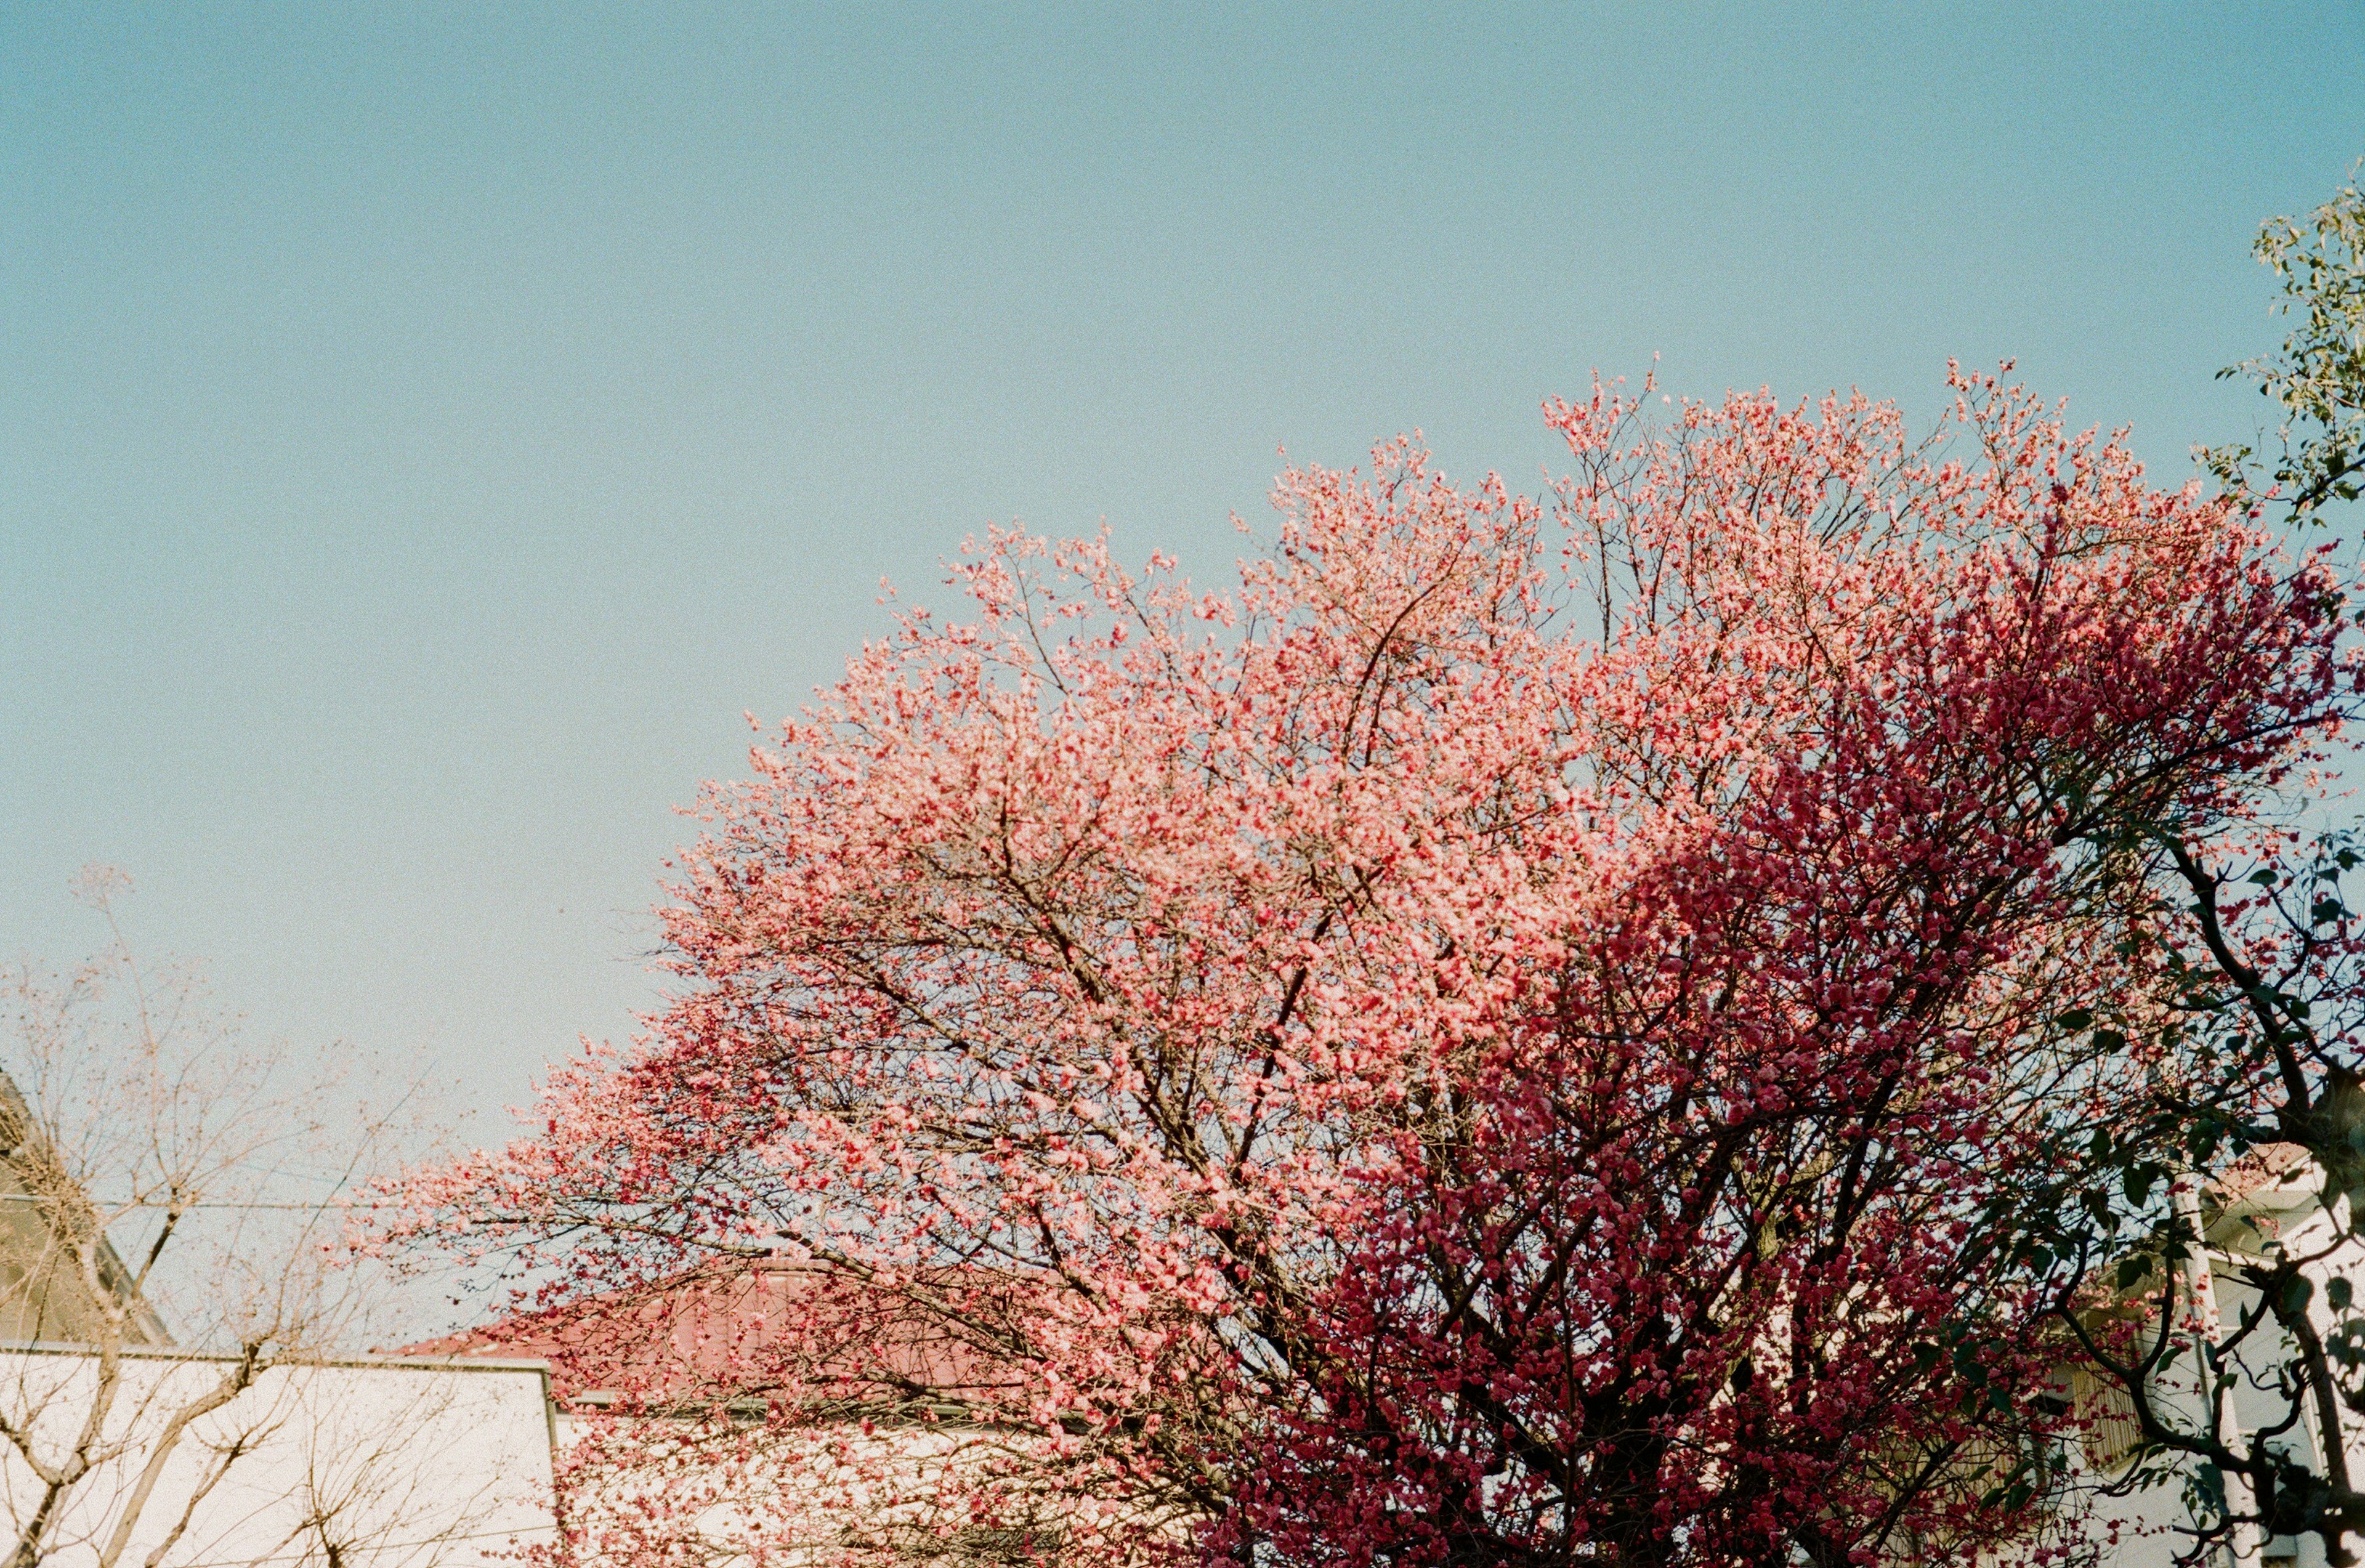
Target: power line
x,y
200,1204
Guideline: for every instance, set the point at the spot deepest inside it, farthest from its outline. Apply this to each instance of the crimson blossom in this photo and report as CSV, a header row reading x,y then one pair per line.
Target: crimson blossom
x,y
1503,1037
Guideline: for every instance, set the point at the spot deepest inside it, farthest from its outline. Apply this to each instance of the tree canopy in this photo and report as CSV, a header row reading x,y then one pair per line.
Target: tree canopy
x,y
1505,1034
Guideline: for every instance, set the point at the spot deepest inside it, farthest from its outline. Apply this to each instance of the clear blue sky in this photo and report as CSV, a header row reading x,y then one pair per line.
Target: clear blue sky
x,y
424,431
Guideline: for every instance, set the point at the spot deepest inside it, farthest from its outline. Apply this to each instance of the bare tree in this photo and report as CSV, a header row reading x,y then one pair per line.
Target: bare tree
x,y
177,1297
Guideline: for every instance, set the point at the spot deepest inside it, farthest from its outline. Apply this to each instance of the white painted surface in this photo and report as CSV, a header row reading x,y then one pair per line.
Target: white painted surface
x,y
2148,1521
371,1464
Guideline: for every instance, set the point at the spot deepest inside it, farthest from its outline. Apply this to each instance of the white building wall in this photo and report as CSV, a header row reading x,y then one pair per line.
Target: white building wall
x,y
369,1464
2145,1524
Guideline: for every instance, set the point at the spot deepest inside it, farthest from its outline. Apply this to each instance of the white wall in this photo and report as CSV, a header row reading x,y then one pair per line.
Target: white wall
x,y
378,1463
2146,1521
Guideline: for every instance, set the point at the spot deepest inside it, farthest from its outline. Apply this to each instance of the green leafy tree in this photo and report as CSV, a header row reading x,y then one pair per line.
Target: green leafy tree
x,y
2317,381
2203,1253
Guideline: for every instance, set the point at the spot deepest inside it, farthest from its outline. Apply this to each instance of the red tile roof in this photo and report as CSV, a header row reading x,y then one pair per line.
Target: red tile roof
x,y
762,1330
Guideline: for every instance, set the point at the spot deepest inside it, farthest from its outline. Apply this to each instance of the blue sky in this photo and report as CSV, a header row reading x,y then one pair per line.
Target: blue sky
x,y
425,432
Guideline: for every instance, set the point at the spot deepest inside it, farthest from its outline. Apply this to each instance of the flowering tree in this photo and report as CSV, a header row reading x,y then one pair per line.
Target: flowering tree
x,y
1504,1036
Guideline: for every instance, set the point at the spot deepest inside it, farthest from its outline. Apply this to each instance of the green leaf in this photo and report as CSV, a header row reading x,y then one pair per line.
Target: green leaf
x,y
2210,1482
2339,1293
